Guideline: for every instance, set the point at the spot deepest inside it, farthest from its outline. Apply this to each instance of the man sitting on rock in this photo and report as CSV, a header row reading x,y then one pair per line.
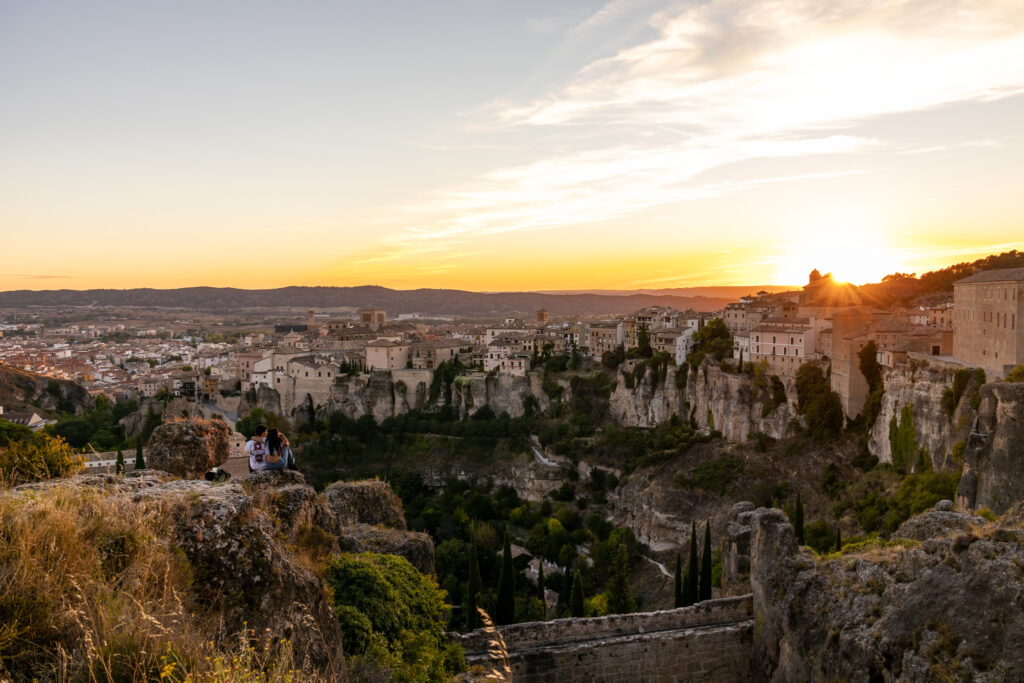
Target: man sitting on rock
x,y
256,447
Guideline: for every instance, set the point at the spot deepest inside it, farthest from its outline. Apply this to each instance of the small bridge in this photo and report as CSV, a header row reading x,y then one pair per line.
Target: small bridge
x,y
710,641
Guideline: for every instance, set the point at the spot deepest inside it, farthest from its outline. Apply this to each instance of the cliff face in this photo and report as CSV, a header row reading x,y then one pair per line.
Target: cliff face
x,y
994,456
503,393
922,389
736,405
945,604
22,390
648,401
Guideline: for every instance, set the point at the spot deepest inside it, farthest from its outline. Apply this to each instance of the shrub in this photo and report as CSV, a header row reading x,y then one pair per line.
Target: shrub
x,y
717,475
392,615
1016,375
41,457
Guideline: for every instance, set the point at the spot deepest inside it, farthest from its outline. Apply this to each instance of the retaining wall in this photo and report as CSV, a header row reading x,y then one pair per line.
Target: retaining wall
x,y
710,641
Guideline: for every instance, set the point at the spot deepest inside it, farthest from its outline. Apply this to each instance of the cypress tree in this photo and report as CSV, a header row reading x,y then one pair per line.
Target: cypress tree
x,y
540,588
506,609
705,565
798,520
678,581
140,464
643,343
839,539
473,591
690,587
576,601
119,465
620,598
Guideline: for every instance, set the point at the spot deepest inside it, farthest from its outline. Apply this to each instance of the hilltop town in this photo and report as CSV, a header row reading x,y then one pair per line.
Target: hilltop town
x,y
825,321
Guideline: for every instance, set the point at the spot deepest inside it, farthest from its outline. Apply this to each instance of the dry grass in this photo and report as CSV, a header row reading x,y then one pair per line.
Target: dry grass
x,y
93,589
497,650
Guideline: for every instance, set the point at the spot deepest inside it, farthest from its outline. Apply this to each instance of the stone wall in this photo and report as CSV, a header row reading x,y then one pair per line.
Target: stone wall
x,y
710,641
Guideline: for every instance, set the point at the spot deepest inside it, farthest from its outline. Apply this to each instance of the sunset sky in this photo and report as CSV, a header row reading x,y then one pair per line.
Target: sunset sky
x,y
505,145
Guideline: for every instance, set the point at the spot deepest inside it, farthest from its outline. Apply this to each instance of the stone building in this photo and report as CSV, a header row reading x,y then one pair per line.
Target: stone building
x,y
603,337
374,318
987,316
387,354
783,343
427,355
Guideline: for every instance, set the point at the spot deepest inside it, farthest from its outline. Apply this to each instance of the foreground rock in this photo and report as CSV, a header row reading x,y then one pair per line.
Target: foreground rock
x,y
948,607
249,543
188,448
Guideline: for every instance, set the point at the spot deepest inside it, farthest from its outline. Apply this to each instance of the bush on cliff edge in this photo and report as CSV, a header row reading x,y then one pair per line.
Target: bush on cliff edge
x,y
392,618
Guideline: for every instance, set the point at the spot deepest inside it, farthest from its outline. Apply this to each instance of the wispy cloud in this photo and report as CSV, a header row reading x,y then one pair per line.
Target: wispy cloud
x,y
721,83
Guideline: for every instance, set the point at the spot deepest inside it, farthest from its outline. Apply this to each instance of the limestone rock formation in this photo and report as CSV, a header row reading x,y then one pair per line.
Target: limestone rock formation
x,y
921,387
948,608
737,407
241,539
415,546
994,457
650,400
364,502
188,448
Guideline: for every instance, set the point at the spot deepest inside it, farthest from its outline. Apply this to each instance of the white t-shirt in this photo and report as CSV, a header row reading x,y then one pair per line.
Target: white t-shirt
x,y
257,451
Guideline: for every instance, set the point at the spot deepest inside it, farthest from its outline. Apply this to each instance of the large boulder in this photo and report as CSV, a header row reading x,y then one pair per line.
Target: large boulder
x,y
364,502
188,448
242,573
417,547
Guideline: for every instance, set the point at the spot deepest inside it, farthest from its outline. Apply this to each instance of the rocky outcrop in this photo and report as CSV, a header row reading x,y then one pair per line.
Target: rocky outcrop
x,y
21,390
502,393
734,405
188,448
364,502
649,400
949,607
921,387
994,457
247,542
415,546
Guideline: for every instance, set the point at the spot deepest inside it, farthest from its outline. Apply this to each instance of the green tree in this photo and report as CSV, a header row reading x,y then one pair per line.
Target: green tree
x,y
713,340
705,565
393,616
575,360
140,464
798,519
643,343
620,598
38,458
677,581
506,608
576,600
820,406
692,569
540,588
839,539
869,366
119,465
473,589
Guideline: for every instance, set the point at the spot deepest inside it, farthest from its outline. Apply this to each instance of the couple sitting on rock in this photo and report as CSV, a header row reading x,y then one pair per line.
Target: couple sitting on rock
x,y
269,450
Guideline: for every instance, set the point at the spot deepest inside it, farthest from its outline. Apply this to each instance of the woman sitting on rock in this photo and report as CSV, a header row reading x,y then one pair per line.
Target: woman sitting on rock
x,y
279,454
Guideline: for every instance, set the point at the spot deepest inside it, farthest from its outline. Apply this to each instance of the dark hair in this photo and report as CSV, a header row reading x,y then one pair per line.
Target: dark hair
x,y
260,429
273,441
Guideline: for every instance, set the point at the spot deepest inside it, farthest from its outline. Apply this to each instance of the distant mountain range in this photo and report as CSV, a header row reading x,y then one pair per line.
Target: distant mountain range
x,y
731,292
428,302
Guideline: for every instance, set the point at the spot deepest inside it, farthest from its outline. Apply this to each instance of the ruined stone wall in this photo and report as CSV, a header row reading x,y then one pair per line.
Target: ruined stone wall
x,y
710,641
